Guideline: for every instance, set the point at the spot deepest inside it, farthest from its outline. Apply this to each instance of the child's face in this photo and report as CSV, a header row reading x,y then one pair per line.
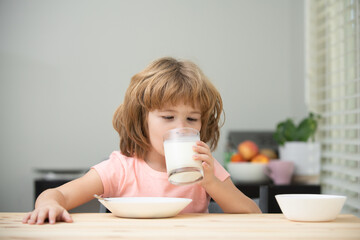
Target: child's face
x,y
170,117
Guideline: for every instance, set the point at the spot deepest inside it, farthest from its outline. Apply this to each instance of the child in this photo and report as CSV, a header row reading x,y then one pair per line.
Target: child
x,y
167,94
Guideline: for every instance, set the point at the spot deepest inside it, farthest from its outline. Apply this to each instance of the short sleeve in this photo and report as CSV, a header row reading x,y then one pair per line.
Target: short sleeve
x,y
220,171
112,173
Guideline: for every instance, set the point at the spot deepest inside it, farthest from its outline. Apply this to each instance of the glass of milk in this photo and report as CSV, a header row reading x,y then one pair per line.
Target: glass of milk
x,y
181,167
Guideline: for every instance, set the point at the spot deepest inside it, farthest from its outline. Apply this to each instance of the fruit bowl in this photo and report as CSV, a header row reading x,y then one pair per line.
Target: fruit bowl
x,y
247,172
310,207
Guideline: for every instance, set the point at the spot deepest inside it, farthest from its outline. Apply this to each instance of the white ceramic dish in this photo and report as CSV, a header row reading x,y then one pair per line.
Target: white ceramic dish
x,y
145,207
310,207
245,172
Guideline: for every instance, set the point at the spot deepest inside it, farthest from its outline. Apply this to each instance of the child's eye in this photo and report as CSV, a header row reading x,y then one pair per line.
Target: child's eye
x,y
192,119
168,117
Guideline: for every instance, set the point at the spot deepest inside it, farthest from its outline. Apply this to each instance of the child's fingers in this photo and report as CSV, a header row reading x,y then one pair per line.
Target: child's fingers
x,y
202,149
206,161
33,217
203,145
26,217
52,216
42,215
38,216
202,157
206,166
66,216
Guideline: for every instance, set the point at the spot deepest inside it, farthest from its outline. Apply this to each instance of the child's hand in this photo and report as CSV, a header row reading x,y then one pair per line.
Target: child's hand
x,y
204,155
51,212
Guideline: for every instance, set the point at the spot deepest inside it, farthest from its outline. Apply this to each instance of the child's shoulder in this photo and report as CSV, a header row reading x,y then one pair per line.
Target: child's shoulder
x,y
115,162
116,157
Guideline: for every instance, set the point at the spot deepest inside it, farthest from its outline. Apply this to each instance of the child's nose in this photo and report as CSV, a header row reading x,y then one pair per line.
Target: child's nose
x,y
182,124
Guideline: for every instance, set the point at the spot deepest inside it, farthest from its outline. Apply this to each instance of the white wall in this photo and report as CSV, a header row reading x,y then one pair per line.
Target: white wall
x,y
65,66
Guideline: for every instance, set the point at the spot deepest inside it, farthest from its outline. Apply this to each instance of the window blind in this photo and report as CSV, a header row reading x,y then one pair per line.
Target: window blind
x,y
333,91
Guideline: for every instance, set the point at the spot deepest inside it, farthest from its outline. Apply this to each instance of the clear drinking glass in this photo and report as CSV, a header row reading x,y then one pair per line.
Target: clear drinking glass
x,y
181,167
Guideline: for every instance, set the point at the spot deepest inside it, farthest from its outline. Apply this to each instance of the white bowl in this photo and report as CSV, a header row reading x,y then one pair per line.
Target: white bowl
x,y
145,207
245,172
310,207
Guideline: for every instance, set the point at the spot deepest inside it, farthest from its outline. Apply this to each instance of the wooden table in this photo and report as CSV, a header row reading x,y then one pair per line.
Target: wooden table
x,y
185,226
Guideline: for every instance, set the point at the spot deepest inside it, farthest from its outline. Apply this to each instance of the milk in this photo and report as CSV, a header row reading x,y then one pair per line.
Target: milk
x,y
180,165
179,155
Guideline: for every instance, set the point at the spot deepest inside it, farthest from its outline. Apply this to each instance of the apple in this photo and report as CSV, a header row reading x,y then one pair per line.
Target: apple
x,y
260,158
248,149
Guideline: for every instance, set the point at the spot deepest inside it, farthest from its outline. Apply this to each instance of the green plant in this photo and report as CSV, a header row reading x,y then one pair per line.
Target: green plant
x,y
287,131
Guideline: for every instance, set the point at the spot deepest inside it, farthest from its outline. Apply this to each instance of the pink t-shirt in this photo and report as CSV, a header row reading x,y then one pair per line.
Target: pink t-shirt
x,y
131,177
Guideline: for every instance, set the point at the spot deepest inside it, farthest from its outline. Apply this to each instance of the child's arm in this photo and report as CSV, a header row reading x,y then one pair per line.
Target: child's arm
x,y
230,198
52,204
226,194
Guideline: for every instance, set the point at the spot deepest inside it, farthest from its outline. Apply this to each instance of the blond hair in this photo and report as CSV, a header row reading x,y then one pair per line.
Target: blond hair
x,y
166,81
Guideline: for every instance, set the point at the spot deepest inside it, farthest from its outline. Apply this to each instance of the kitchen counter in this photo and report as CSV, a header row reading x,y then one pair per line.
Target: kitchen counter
x,y
183,226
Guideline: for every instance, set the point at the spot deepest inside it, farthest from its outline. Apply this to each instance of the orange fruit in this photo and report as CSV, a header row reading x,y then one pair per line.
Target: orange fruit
x,y
236,157
260,158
